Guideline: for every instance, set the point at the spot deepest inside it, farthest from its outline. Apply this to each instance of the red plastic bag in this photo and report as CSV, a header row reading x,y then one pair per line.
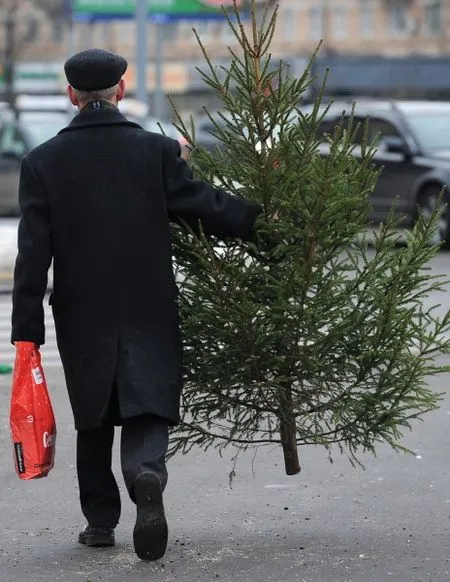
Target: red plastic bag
x,y
32,422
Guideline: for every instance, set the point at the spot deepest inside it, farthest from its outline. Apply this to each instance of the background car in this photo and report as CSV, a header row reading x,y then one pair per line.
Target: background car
x,y
204,132
413,153
45,103
6,112
39,120
17,137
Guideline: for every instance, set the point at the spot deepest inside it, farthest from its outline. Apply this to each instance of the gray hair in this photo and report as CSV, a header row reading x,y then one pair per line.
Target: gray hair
x,y
100,95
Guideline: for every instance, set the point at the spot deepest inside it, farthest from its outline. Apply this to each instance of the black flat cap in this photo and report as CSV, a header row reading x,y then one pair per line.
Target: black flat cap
x,y
94,69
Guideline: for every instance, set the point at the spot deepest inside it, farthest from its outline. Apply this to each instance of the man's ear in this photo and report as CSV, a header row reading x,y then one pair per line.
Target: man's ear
x,y
120,90
72,96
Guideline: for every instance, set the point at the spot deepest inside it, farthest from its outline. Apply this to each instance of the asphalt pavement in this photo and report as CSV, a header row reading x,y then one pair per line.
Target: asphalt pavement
x,y
331,523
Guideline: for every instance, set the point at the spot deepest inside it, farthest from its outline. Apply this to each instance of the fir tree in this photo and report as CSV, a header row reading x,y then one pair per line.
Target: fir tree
x,y
307,335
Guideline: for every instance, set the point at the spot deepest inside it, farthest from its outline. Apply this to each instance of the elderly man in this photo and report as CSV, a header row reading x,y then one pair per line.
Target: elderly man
x,y
98,199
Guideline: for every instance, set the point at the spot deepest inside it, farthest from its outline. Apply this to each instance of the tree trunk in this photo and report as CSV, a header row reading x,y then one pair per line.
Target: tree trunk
x,y
288,432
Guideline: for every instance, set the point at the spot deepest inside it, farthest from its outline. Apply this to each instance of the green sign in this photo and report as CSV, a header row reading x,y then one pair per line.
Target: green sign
x,y
168,7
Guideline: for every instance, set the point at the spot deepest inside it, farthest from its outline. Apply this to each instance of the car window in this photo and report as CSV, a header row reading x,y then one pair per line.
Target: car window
x,y
41,129
379,129
376,131
11,140
327,127
431,129
207,126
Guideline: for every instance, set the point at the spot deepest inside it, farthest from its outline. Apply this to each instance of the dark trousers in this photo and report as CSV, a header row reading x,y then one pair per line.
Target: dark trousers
x,y
144,442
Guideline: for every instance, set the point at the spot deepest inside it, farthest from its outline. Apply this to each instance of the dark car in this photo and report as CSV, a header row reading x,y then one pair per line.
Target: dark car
x,y
17,137
413,152
205,129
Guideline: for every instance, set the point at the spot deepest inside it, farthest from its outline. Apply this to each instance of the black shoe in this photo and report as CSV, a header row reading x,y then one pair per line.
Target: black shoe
x,y
150,532
97,536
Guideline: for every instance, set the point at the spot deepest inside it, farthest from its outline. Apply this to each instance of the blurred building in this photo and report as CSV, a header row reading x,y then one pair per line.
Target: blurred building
x,y
37,33
365,27
367,43
35,41
376,27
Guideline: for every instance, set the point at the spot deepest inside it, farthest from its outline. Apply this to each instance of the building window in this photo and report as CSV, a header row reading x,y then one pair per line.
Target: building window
x,y
339,22
367,18
58,31
32,32
105,31
433,17
316,16
170,31
398,17
84,34
289,24
185,30
203,28
226,33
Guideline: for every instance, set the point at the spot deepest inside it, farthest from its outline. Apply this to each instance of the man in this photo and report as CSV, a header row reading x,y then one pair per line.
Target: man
x,y
97,199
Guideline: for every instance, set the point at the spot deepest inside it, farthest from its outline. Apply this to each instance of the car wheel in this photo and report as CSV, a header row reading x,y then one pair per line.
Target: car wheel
x,y
427,201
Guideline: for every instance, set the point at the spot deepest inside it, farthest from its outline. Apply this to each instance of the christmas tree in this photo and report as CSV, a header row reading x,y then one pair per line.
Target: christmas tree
x,y
307,334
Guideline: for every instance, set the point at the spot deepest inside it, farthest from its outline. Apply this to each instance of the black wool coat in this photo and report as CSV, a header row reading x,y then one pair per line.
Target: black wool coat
x,y
97,199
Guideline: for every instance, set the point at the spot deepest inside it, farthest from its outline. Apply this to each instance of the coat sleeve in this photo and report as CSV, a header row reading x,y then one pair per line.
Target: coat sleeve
x,y
33,259
189,201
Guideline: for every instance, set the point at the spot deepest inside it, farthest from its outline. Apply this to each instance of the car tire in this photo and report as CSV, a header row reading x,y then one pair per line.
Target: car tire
x,y
427,200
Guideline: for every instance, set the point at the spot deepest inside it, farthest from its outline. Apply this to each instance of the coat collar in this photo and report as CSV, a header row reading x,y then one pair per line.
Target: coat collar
x,y
98,113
